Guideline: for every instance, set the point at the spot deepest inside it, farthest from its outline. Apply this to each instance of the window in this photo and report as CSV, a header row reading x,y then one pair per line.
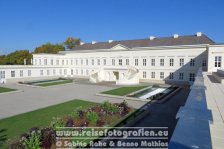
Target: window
x,y
144,74
127,61
218,60
113,62
39,61
65,71
76,62
66,62
52,62
136,62
81,61
13,74
87,72
161,62
191,77
48,72
41,72
87,62
2,74
181,62
98,61
104,62
144,62
152,74
72,72
63,62
92,61
35,61
45,61
21,73
152,62
81,72
29,73
77,72
57,62
171,61
60,71
161,75
204,63
71,62
54,72
181,76
120,62
192,62
171,76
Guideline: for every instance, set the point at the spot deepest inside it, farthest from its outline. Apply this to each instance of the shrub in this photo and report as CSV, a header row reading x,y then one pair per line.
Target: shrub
x,y
57,122
92,117
69,122
110,108
124,106
16,144
78,113
33,142
48,137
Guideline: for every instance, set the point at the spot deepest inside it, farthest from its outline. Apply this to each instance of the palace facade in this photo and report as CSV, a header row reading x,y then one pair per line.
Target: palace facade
x,y
162,60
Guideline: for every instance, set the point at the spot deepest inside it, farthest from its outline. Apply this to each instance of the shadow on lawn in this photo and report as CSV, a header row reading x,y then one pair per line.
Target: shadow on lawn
x,y
2,136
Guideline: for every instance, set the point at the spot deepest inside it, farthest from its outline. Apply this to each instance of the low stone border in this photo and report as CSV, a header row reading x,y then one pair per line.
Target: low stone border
x,y
122,97
36,86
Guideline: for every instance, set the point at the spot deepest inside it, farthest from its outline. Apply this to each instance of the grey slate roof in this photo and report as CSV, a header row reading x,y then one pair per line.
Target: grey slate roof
x,y
163,41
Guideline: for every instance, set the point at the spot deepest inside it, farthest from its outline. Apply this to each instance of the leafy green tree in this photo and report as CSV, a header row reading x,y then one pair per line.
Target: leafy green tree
x,y
2,60
17,57
49,48
71,42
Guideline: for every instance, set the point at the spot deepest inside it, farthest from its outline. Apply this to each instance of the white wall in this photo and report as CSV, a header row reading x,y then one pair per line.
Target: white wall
x,y
77,61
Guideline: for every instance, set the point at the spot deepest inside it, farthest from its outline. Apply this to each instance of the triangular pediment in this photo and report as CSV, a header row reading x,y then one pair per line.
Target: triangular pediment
x,y
119,47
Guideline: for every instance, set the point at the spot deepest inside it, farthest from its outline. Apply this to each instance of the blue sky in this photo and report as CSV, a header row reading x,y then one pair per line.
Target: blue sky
x,y
26,24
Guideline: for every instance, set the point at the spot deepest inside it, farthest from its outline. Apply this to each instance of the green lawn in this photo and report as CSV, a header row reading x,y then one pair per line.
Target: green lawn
x,y
16,125
54,83
124,90
4,89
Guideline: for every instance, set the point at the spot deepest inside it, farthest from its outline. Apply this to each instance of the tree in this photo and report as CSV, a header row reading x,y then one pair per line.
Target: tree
x,y
49,48
17,57
2,60
71,42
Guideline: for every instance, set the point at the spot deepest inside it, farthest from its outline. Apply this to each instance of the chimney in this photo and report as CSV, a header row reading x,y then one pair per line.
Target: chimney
x,y
198,34
110,41
82,43
93,42
151,37
175,35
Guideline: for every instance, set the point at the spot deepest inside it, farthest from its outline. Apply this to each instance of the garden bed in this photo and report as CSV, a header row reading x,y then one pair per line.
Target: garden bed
x,y
44,135
13,127
122,91
4,90
46,83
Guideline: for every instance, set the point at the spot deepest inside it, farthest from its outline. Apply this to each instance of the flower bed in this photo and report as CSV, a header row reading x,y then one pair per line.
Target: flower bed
x,y
105,114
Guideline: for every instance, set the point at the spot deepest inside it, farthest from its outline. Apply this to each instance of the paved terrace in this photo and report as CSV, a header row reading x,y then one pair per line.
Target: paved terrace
x,y
32,98
201,120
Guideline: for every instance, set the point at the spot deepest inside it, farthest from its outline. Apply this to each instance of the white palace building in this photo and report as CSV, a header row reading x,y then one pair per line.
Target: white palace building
x,y
162,60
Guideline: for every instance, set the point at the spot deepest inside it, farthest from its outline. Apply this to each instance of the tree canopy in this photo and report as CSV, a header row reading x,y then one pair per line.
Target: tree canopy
x,y
16,58
49,48
71,42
